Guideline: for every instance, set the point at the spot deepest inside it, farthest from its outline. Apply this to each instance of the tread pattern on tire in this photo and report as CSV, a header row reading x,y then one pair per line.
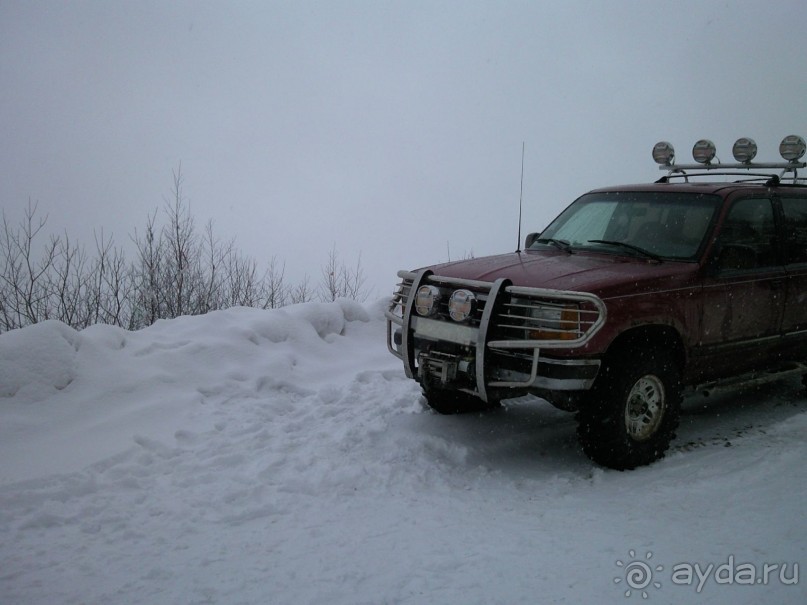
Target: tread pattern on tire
x,y
601,420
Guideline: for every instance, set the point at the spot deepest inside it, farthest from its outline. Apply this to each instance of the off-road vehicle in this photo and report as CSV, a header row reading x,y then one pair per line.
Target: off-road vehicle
x,y
632,295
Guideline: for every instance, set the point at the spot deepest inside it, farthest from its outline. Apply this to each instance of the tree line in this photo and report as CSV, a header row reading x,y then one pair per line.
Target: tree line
x,y
177,269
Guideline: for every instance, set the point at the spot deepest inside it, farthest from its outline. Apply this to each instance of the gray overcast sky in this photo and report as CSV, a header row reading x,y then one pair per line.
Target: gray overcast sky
x,y
390,129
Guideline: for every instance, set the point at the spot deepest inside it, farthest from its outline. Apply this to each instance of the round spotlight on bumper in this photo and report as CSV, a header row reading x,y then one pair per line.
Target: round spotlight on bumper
x,y
663,153
427,301
462,305
792,148
744,150
704,151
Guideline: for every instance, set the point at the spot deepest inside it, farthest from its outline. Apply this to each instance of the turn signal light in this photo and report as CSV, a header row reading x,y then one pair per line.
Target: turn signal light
x,y
558,324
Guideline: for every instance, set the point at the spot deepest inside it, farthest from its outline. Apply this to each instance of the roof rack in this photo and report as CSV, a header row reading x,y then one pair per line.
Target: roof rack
x,y
792,148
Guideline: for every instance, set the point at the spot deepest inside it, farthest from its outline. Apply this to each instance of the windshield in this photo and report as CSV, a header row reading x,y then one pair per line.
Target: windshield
x,y
666,225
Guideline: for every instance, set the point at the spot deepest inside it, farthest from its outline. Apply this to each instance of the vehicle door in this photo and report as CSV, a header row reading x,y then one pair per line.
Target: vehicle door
x,y
794,219
744,291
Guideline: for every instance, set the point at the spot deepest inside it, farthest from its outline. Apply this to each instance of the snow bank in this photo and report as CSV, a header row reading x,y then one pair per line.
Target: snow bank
x,y
281,456
92,390
38,361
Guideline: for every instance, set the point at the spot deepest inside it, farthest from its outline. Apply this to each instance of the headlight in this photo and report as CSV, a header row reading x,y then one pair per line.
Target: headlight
x,y
555,323
462,305
427,301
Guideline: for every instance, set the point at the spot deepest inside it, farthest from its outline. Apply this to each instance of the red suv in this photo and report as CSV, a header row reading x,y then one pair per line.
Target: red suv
x,y
627,298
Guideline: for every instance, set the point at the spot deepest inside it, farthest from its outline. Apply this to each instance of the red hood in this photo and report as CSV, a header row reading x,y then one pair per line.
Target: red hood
x,y
601,274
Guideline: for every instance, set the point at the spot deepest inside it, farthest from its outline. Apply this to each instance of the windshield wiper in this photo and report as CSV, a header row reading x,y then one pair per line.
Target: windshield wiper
x,y
558,243
641,251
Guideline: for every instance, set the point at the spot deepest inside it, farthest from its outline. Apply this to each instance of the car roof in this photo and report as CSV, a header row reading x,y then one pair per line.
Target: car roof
x,y
700,187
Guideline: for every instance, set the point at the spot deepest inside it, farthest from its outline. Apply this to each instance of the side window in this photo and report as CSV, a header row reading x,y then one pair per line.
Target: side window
x,y
795,212
748,236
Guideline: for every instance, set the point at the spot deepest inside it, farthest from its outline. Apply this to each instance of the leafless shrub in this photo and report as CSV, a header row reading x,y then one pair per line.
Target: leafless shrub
x,y
302,292
277,292
25,280
176,271
342,281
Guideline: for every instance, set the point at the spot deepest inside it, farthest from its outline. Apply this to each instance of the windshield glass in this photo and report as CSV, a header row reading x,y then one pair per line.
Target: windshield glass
x,y
667,225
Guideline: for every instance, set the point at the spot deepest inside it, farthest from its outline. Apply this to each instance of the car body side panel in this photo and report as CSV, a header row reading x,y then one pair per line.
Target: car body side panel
x,y
741,323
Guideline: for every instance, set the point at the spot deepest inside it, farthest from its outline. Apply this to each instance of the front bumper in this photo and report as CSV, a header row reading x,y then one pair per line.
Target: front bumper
x,y
481,357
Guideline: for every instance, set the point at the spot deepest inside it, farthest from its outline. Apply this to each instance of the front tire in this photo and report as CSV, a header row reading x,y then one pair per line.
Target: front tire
x,y
633,410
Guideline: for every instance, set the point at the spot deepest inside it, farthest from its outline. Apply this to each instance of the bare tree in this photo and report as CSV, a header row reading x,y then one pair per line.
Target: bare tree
x,y
466,255
354,282
67,284
11,302
276,289
176,271
111,294
332,283
243,287
302,292
213,292
341,281
25,281
181,250
147,276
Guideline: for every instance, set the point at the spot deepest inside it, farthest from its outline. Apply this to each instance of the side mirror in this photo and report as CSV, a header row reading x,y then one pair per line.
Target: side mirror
x,y
530,239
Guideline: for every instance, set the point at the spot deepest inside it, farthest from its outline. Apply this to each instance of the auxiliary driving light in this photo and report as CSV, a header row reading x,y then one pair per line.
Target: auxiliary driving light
x,y
663,153
792,148
744,150
704,151
427,301
462,305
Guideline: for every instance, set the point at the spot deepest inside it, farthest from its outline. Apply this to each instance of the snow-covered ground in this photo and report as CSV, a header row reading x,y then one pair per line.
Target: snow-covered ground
x,y
281,456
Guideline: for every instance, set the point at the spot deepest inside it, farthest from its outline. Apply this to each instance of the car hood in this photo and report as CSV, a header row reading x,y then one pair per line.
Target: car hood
x,y
602,274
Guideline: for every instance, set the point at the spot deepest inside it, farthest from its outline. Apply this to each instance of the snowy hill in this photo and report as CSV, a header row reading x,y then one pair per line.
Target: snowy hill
x,y
281,456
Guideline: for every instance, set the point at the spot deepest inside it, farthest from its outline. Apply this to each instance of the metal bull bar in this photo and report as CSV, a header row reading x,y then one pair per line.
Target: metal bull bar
x,y
495,291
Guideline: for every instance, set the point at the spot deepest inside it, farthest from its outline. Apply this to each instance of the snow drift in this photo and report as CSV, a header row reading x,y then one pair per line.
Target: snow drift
x,y
281,456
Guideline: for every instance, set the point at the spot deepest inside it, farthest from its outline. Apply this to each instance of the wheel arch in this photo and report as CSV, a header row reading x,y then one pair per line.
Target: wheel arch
x,y
650,336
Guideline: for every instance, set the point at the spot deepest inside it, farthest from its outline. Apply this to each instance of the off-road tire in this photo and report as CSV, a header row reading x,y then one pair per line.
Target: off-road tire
x,y
633,409
455,402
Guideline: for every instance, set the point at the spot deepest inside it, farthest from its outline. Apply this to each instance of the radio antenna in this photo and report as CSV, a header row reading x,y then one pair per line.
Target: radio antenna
x,y
520,198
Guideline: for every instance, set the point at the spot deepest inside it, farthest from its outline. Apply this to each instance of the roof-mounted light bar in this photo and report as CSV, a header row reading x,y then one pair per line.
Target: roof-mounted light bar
x,y
792,149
